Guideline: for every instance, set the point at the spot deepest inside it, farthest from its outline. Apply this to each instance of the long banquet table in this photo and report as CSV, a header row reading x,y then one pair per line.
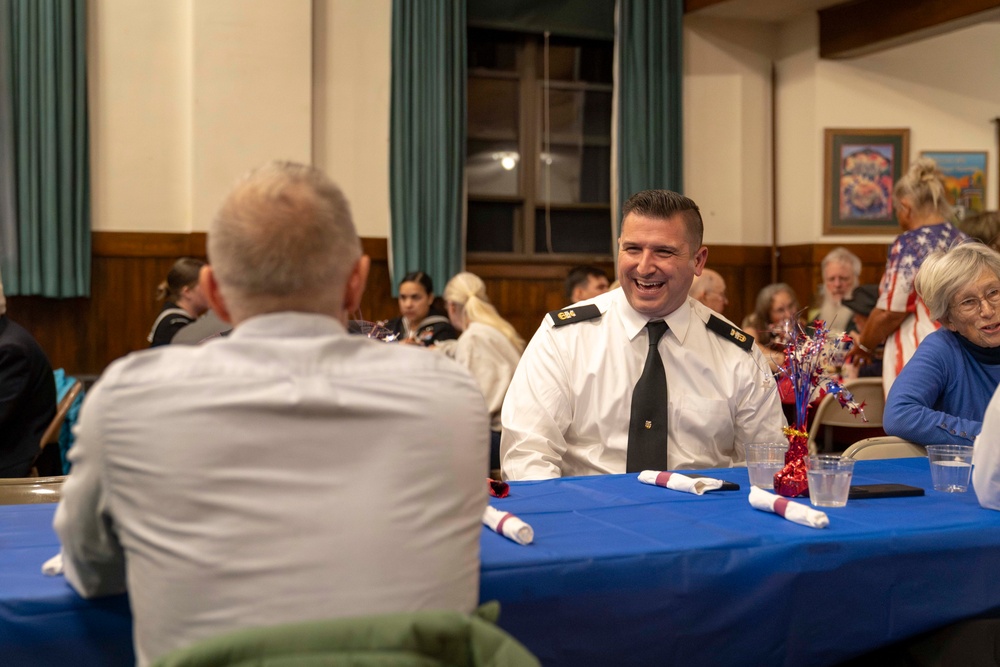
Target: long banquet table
x,y
624,573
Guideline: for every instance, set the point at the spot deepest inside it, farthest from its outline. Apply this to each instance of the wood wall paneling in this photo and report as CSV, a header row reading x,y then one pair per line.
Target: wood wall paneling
x,y
84,335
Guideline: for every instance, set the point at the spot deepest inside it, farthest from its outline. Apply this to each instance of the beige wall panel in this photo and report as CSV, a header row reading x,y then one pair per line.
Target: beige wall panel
x,y
727,129
138,72
252,92
351,104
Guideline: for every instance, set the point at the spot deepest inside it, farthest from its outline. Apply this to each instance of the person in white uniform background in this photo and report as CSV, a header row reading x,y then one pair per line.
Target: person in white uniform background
x,y
568,406
488,346
289,471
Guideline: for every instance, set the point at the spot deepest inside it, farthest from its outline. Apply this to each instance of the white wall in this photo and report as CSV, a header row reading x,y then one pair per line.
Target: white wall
x,y
946,89
727,128
352,86
139,89
186,95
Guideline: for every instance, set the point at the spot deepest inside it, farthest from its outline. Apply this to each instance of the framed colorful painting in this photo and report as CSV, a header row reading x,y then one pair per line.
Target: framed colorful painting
x,y
964,175
860,168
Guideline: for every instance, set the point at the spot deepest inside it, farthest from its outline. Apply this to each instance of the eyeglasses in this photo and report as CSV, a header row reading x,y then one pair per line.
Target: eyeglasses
x,y
973,304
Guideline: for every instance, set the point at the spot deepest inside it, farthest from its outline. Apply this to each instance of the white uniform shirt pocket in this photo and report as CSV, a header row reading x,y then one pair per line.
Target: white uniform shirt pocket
x,y
703,429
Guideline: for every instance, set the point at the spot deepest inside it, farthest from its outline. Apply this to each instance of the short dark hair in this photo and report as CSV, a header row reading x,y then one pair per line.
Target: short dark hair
x,y
421,279
663,204
580,275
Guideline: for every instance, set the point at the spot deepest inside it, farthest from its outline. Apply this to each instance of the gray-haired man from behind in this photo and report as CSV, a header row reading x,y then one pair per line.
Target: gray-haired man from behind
x,y
287,472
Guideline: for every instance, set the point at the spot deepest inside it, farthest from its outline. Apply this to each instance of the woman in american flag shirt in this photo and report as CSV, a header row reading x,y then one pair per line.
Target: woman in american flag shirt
x,y
900,318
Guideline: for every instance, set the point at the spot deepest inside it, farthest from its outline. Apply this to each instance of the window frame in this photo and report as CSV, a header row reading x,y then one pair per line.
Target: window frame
x,y
529,204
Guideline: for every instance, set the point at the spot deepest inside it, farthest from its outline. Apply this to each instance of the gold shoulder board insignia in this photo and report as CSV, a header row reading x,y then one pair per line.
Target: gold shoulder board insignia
x,y
729,332
561,318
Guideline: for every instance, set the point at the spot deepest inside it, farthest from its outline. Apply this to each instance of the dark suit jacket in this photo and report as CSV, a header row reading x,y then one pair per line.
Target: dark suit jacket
x,y
27,398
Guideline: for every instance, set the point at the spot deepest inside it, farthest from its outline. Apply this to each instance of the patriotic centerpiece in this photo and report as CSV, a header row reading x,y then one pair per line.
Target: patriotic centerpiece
x,y
810,372
376,330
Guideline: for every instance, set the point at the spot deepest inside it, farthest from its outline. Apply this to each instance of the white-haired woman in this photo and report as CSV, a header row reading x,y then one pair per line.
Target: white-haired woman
x,y
900,318
942,393
488,346
841,269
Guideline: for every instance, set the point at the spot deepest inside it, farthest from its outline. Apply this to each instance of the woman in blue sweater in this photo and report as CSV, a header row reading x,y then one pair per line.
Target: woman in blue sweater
x,y
942,392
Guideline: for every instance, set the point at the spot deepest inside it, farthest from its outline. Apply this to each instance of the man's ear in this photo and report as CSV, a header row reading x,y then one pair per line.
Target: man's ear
x,y
700,259
355,286
210,287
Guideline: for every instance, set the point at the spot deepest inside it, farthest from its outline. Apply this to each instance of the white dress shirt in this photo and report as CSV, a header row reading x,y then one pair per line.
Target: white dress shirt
x,y
289,472
491,359
986,458
567,409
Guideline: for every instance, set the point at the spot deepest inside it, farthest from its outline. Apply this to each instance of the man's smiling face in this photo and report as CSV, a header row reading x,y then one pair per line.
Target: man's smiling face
x,y
656,263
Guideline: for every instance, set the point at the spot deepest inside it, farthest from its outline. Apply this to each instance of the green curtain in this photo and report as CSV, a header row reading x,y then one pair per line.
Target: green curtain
x,y
650,34
427,138
8,226
590,19
46,49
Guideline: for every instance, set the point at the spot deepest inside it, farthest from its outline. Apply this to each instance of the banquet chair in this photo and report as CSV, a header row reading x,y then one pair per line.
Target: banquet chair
x,y
30,490
54,429
420,638
885,447
830,414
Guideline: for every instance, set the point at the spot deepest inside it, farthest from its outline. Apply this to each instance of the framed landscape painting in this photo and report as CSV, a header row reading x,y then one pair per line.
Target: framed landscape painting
x,y
860,168
964,175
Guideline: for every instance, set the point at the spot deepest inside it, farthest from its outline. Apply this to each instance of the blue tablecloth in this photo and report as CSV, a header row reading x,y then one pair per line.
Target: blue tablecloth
x,y
624,573
43,622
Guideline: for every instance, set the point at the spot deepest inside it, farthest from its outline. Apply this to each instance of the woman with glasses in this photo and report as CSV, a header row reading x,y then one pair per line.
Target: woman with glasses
x,y
776,309
941,394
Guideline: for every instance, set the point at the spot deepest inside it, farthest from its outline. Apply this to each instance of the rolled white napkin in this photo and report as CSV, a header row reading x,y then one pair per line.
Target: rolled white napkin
x,y
53,566
797,512
679,482
508,525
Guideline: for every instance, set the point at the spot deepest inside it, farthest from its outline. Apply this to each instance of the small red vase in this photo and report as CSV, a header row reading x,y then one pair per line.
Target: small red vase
x,y
792,481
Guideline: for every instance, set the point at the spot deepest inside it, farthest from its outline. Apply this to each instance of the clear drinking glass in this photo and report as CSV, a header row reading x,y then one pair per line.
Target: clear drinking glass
x,y
829,479
951,467
764,459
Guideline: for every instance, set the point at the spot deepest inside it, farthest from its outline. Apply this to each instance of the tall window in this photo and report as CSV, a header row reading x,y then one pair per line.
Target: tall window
x,y
538,162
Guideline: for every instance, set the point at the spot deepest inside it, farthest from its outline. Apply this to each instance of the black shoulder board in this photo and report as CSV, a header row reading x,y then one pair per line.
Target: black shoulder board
x,y
729,332
561,318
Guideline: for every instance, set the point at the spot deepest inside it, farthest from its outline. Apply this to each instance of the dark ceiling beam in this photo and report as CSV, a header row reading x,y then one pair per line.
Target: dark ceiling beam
x,y
695,5
865,26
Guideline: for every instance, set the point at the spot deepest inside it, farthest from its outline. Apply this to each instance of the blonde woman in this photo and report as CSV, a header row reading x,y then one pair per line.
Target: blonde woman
x,y
487,345
900,319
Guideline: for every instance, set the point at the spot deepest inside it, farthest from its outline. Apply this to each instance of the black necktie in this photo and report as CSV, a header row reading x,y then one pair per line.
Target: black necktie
x,y
647,429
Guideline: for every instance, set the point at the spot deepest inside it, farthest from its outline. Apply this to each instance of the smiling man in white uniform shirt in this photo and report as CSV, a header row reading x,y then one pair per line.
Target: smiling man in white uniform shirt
x,y
568,407
290,471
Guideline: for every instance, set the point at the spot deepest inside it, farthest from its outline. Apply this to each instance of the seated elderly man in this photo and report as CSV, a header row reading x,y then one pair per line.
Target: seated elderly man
x,y
27,396
642,377
942,392
289,471
710,289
